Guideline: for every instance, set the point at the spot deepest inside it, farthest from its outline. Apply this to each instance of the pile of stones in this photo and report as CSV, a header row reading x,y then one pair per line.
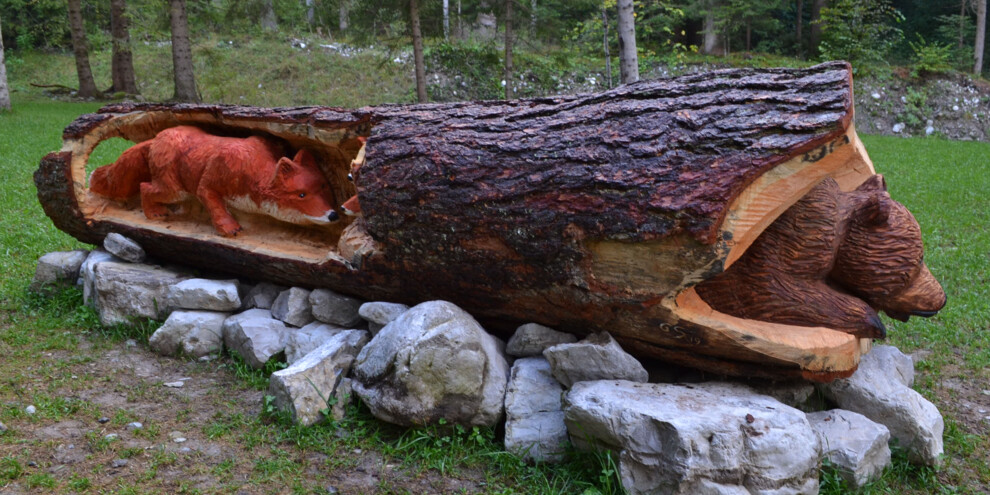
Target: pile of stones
x,y
672,432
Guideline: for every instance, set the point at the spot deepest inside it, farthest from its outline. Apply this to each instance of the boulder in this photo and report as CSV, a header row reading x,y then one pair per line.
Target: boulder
x,y
58,268
433,362
879,391
597,357
310,385
292,307
378,314
335,309
203,294
125,291
532,339
261,296
87,274
124,248
534,417
711,438
255,336
193,333
308,338
856,446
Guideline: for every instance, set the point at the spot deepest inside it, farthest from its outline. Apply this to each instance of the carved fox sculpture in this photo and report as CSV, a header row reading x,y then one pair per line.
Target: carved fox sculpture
x,y
246,174
832,260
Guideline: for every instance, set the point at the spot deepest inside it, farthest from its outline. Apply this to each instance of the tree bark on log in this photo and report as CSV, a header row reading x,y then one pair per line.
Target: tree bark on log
x,y
586,213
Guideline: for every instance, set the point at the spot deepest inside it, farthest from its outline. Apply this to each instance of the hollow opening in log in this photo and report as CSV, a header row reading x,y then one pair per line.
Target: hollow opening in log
x,y
335,240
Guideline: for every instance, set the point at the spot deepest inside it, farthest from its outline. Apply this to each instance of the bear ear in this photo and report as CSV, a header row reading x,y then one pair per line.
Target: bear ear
x,y
875,211
874,183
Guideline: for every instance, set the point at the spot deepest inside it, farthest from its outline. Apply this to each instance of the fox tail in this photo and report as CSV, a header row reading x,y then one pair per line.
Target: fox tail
x,y
122,179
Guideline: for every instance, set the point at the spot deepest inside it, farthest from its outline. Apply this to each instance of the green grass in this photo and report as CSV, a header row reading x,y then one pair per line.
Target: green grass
x,y
943,183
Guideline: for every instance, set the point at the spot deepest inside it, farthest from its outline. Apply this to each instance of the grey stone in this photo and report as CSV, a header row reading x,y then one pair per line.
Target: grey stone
x,y
534,417
433,362
597,357
304,388
125,291
255,336
856,446
87,274
379,313
308,338
532,339
261,296
178,384
193,333
203,294
796,394
31,409
292,307
335,309
3,427
878,391
124,248
58,268
118,463
711,438
134,426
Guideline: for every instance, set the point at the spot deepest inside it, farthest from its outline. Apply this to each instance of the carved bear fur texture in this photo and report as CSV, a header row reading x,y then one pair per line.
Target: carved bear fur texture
x,y
247,174
833,260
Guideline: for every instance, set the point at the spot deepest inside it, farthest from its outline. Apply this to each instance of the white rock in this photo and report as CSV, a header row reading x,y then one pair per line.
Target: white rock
x,y
378,314
433,362
134,426
929,130
58,268
173,384
124,248
125,291
305,388
193,333
255,336
336,309
308,338
704,438
955,108
532,339
875,95
879,391
203,294
87,274
597,357
292,307
853,444
31,409
898,127
534,417
262,296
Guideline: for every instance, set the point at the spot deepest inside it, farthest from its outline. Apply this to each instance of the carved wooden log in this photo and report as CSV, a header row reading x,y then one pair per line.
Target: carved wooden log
x,y
584,213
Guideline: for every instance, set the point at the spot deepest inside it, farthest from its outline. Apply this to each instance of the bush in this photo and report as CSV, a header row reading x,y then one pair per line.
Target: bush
x,y
930,57
861,32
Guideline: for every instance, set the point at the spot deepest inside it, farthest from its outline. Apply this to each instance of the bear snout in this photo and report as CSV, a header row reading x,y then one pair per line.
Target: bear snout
x,y
923,296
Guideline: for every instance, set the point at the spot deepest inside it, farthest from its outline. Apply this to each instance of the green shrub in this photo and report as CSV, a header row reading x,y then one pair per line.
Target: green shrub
x,y
930,57
861,32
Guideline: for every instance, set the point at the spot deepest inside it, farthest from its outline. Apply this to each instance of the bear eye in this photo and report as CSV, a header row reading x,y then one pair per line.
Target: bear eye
x,y
302,195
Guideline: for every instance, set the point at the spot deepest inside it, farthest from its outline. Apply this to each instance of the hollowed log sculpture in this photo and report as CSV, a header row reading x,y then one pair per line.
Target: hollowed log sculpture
x,y
638,211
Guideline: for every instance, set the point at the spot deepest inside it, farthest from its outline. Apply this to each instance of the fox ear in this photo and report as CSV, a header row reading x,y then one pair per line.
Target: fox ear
x,y
284,169
875,211
305,158
874,183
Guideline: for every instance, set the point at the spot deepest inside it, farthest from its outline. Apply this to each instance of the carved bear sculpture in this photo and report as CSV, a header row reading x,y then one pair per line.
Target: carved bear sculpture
x,y
833,260
247,174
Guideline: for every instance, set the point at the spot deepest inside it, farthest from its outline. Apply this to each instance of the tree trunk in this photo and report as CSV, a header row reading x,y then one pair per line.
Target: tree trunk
x,y
446,20
417,36
509,94
816,27
798,24
121,65
962,22
532,18
628,58
711,44
584,213
4,89
749,34
268,20
87,86
182,64
460,27
608,57
310,13
981,32
344,15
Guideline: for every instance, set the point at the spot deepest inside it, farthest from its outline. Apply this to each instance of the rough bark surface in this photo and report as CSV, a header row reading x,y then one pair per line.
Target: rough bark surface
x,y
185,81
493,205
87,86
121,63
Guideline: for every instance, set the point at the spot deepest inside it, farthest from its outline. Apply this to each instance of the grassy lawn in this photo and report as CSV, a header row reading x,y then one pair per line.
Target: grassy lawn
x,y
54,357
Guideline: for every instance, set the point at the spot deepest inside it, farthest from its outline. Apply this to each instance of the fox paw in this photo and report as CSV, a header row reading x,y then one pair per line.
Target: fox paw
x,y
228,229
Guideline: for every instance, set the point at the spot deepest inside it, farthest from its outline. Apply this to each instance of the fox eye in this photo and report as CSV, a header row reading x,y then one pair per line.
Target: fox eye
x,y
302,195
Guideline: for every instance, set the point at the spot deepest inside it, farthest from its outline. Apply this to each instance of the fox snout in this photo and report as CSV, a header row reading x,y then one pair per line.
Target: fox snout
x,y
923,296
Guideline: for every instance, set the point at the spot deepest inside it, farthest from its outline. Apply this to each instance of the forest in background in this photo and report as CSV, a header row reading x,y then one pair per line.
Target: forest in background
x,y
929,37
